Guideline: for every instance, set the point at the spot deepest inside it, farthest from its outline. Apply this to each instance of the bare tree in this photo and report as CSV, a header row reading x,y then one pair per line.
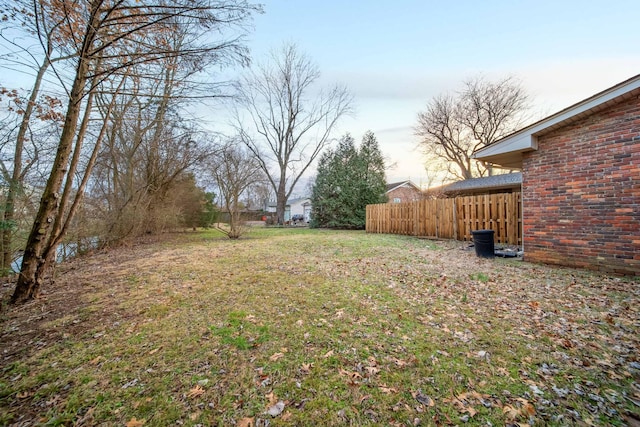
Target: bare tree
x,y
281,122
148,149
108,39
235,171
32,17
453,127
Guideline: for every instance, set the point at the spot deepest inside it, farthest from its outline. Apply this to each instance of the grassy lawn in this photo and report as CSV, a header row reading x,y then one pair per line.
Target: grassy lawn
x,y
315,327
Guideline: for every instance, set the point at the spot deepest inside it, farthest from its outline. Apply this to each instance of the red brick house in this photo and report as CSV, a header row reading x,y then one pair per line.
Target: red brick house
x,y
581,181
404,191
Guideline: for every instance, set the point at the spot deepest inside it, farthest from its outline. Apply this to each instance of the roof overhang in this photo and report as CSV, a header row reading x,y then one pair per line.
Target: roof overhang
x,y
403,184
508,151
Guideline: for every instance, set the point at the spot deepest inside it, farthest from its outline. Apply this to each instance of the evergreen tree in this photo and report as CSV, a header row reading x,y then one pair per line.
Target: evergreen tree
x,y
372,184
348,179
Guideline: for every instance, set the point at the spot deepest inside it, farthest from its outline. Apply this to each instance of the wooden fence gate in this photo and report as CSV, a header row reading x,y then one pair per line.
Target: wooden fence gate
x,y
452,218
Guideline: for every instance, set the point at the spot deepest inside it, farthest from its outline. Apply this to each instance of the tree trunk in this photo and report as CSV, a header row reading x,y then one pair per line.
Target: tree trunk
x,y
38,259
281,202
15,184
34,262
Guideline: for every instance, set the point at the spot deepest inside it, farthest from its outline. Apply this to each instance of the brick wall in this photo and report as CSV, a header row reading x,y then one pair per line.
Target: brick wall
x,y
405,194
581,193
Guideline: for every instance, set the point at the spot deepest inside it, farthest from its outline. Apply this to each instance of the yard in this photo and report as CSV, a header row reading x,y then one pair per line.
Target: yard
x,y
315,327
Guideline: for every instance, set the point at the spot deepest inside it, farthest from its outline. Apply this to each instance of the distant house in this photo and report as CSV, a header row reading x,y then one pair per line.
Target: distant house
x,y
581,181
505,183
297,206
404,191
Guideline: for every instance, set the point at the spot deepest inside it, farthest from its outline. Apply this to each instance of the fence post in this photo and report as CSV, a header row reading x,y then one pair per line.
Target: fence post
x,y
455,218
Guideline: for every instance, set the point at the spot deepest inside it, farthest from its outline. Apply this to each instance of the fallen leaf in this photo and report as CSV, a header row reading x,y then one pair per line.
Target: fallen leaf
x,y
155,350
195,392
529,409
246,422
511,412
133,422
387,390
372,370
276,356
271,397
328,354
363,398
399,363
352,375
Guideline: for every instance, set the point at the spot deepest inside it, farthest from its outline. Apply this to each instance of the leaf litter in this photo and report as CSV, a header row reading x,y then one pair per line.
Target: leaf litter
x,y
385,329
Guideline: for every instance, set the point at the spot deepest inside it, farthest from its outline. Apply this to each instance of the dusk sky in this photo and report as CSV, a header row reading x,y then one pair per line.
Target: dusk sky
x,y
395,56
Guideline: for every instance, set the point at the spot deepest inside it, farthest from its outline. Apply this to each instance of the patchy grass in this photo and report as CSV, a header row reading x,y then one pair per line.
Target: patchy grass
x,y
316,327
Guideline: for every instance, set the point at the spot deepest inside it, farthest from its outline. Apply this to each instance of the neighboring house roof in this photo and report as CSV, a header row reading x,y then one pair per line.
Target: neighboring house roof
x,y
303,200
298,200
495,182
395,185
507,152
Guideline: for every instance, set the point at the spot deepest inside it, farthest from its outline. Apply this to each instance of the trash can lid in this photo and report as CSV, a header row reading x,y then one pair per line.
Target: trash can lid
x,y
482,232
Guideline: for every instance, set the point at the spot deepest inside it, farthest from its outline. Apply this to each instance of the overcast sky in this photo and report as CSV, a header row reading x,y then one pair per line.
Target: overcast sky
x,y
395,56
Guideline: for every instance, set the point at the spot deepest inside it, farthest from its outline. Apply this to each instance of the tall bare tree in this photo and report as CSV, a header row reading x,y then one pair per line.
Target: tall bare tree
x,y
454,126
235,170
281,121
17,16
108,38
149,147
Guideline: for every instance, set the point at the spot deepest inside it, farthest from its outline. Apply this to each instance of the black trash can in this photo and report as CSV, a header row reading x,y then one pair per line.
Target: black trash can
x,y
483,242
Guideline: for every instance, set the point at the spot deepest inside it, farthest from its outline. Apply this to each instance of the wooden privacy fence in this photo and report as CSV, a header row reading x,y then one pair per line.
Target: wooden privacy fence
x,y
452,218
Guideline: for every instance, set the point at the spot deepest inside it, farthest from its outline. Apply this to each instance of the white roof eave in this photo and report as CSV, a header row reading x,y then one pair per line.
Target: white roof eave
x,y
526,139
514,143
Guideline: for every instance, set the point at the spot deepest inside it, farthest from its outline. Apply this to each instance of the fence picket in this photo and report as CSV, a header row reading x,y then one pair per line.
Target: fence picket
x,y
451,218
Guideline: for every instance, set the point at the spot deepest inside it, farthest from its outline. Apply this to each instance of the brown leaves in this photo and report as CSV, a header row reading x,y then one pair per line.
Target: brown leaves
x,y
353,378
276,356
275,406
371,370
464,402
133,422
246,422
306,368
400,363
195,392
387,390
525,409
364,363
